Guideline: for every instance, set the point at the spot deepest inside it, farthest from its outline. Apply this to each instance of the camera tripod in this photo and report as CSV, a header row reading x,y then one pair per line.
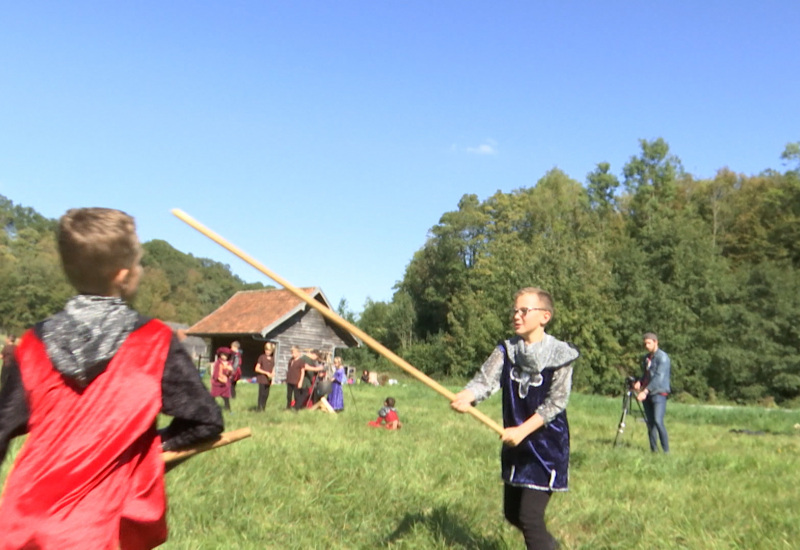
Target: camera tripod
x,y
630,396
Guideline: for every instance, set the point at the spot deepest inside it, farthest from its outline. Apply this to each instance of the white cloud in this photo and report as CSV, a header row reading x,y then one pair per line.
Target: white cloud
x,y
483,149
489,147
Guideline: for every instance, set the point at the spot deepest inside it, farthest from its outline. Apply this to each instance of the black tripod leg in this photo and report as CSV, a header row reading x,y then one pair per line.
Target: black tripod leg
x,y
626,405
353,397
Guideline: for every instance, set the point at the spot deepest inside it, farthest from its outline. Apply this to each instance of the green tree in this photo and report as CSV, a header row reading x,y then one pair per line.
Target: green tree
x,y
792,154
651,179
602,187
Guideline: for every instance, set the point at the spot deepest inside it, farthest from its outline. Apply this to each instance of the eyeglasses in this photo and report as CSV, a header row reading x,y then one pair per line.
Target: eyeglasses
x,y
523,311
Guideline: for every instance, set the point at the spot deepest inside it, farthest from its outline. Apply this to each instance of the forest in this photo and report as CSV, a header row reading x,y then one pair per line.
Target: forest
x,y
174,287
711,265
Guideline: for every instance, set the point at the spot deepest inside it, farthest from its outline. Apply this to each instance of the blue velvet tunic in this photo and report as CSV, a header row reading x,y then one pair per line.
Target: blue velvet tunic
x,y
541,460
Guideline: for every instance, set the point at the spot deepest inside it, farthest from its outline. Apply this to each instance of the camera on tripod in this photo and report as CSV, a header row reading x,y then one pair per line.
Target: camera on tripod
x,y
630,382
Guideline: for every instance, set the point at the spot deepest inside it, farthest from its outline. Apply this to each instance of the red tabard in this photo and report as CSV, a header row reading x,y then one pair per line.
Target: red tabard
x,y
90,474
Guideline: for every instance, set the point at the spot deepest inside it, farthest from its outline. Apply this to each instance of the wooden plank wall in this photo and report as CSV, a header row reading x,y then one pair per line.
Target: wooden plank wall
x,y
307,330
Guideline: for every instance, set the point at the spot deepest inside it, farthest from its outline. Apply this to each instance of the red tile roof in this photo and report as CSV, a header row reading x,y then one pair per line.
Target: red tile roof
x,y
253,311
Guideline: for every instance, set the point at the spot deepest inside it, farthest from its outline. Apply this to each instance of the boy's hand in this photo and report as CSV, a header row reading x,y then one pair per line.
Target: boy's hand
x,y
514,435
463,400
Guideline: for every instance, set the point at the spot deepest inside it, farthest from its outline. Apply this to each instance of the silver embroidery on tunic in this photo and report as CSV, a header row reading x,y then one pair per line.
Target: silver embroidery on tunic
x,y
529,361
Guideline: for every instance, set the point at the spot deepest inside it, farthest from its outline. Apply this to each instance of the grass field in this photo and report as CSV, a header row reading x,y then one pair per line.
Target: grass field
x,y
315,480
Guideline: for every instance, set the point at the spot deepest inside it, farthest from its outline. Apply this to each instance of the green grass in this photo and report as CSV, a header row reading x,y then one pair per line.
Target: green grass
x,y
314,480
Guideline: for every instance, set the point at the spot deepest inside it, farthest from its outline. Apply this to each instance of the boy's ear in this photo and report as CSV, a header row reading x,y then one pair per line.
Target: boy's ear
x,y
120,279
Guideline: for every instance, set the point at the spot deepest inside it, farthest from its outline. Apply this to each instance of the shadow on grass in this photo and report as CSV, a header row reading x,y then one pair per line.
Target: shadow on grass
x,y
443,526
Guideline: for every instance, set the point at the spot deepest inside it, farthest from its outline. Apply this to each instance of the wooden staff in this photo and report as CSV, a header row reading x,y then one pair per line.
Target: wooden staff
x,y
224,439
332,316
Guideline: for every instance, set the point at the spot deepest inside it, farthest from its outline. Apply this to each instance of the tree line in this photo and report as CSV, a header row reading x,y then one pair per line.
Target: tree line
x,y
175,286
711,265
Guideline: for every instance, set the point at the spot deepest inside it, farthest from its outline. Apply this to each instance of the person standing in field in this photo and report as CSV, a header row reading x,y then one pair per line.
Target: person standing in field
x,y
295,373
86,385
236,364
534,370
316,383
653,388
221,377
336,397
265,369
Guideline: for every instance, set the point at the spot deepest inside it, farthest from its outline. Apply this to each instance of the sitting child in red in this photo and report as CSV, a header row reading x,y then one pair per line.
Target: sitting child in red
x,y
388,415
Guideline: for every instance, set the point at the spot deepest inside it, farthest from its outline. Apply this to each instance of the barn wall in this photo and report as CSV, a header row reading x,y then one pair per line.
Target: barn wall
x,y
307,330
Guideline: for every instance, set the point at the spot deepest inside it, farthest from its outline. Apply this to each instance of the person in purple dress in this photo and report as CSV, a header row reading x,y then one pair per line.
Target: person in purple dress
x,y
336,397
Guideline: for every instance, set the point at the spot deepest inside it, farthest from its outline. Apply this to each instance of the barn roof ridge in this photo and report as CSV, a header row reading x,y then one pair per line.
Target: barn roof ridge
x,y
255,311
260,290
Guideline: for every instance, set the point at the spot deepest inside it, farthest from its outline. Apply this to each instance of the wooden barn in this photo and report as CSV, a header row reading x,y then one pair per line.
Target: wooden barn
x,y
254,317
195,347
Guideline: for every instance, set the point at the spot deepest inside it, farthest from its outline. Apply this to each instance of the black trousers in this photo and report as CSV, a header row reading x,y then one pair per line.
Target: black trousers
x,y
289,394
263,395
301,396
524,509
298,393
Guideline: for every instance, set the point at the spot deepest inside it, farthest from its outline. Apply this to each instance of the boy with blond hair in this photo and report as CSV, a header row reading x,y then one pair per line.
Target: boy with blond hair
x,y
534,370
86,386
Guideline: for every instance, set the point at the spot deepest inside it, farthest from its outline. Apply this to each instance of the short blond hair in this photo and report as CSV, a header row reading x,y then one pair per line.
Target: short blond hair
x,y
544,297
94,244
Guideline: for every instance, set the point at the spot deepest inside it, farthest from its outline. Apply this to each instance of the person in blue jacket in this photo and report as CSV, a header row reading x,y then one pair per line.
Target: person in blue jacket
x,y
653,388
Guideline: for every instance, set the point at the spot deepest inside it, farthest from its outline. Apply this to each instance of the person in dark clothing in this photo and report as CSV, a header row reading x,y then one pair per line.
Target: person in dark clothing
x,y
295,374
265,370
314,384
8,349
86,385
8,356
236,362
221,373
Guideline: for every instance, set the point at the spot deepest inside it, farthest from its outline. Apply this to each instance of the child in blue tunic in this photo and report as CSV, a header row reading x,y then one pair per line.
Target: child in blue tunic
x,y
535,372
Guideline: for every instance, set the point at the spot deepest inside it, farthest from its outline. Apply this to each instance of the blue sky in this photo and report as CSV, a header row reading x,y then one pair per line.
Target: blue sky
x,y
326,138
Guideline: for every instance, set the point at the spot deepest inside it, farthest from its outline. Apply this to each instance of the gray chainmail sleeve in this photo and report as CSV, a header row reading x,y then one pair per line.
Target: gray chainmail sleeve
x,y
487,381
557,398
